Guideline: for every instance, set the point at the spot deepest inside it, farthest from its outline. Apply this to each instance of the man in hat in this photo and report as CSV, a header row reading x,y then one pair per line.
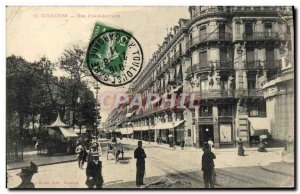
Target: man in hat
x,y
140,156
94,172
26,176
208,166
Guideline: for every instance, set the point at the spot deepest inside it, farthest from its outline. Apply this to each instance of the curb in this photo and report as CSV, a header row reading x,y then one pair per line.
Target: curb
x,y
276,172
60,162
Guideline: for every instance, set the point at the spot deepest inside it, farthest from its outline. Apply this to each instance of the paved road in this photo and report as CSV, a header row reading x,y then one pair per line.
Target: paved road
x,y
169,167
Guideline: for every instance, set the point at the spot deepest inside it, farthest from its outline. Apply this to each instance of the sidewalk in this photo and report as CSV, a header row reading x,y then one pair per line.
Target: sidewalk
x,y
166,146
40,160
280,168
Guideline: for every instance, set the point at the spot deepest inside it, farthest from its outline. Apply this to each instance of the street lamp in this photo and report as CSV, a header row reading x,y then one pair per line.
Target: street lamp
x,y
173,134
98,117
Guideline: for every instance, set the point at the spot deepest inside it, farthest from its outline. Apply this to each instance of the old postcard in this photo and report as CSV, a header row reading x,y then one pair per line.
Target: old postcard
x,y
186,97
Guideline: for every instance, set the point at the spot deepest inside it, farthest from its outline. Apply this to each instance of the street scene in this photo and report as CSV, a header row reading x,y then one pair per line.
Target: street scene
x,y
167,168
203,99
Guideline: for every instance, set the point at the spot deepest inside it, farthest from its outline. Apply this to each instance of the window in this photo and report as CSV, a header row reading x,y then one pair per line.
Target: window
x,y
202,32
248,29
189,132
203,84
223,54
250,55
205,111
238,30
222,31
257,110
179,116
203,58
224,84
251,83
225,110
270,58
169,118
268,29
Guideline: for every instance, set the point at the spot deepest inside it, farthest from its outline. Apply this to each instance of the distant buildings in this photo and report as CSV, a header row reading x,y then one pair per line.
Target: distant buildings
x,y
230,58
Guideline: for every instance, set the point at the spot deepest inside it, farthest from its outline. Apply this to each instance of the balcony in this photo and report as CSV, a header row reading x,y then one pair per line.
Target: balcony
x,y
249,93
223,65
256,36
215,93
206,120
258,64
211,10
253,65
175,57
215,36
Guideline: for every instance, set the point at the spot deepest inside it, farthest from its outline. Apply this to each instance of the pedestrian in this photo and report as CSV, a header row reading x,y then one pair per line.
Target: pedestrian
x,y
241,150
81,155
182,142
211,144
160,140
262,145
95,147
208,166
26,176
94,172
140,156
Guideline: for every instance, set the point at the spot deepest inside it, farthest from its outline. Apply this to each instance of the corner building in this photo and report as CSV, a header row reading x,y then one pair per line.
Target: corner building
x,y
223,54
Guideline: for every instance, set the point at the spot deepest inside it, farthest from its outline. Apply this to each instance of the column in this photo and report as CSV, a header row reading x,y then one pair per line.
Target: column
x,y
196,131
216,126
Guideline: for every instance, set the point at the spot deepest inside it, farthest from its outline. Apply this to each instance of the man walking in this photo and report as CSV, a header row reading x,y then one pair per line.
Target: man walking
x,y
140,156
81,155
208,166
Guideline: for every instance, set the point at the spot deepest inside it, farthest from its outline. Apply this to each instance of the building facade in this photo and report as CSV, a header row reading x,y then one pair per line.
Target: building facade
x,y
223,55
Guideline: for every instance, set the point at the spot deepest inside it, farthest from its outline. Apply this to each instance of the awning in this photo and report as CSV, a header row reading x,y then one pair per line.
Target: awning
x,y
141,128
259,126
126,131
68,132
168,125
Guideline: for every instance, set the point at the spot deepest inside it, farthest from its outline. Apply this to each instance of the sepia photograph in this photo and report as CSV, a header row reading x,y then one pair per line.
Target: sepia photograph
x,y
150,98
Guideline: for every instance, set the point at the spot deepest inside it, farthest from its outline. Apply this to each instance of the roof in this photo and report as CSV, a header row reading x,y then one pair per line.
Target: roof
x,y
58,123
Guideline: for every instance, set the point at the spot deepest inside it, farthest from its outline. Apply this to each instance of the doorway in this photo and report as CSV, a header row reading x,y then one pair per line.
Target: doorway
x,y
205,133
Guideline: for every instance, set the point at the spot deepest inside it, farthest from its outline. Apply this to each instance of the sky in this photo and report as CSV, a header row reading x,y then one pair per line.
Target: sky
x,y
34,32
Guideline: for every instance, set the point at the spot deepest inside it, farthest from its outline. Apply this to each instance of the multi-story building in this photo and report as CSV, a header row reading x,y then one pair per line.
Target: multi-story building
x,y
222,54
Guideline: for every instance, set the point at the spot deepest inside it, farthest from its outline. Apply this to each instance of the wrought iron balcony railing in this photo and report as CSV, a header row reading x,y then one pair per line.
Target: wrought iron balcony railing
x,y
210,10
249,93
261,36
175,57
215,93
215,36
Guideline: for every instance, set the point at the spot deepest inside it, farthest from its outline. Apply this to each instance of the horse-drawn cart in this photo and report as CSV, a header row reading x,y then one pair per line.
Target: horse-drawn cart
x,y
115,149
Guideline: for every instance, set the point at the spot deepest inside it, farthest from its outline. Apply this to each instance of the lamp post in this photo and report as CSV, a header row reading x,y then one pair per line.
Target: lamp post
x,y
98,117
173,124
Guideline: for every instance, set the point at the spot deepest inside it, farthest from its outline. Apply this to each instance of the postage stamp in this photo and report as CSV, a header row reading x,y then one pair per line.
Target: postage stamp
x,y
114,57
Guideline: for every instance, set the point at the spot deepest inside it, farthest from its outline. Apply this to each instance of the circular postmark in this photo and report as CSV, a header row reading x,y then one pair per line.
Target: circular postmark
x,y
114,58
